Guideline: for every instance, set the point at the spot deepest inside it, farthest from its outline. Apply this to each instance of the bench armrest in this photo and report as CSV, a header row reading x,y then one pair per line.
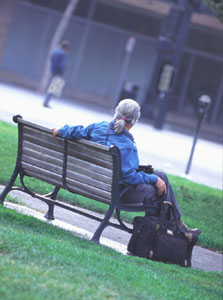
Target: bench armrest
x,y
146,168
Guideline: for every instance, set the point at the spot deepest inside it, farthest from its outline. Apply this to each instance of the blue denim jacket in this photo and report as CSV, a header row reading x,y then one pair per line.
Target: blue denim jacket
x,y
97,132
58,62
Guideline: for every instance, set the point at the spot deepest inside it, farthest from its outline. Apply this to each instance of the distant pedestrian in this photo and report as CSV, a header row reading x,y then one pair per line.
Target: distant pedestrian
x,y
58,65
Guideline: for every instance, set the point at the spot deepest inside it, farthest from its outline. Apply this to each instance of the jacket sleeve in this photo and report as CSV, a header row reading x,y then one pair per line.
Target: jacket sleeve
x,y
76,132
129,159
62,63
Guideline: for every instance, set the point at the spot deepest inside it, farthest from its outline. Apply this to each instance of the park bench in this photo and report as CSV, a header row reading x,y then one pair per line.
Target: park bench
x,y
81,167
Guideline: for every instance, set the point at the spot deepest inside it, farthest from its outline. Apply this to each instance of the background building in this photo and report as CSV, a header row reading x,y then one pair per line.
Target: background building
x,y
101,58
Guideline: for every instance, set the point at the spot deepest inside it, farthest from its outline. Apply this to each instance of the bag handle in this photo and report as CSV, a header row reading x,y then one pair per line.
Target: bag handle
x,y
163,212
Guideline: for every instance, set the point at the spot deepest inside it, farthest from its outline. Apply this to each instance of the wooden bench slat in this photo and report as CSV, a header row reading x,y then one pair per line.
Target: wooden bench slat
x,y
47,140
32,131
59,147
85,167
90,159
84,149
44,173
88,191
41,164
99,174
89,181
92,145
46,137
43,149
59,184
54,152
73,164
45,155
45,166
87,194
45,179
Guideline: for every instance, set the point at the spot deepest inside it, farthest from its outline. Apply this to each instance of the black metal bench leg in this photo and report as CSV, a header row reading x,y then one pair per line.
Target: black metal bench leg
x,y
130,230
50,214
52,195
103,224
9,185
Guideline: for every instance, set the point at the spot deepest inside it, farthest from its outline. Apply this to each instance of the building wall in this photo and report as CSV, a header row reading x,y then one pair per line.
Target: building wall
x,y
28,39
94,73
6,13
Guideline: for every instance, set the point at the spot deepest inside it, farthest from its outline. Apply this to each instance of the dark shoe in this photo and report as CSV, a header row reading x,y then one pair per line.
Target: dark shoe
x,y
195,230
47,100
46,105
185,228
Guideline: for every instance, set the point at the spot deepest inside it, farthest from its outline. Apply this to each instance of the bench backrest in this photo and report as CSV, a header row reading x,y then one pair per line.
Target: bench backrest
x,y
81,166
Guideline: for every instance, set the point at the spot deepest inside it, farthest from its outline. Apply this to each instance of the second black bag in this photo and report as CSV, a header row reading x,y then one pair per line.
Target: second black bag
x,y
159,239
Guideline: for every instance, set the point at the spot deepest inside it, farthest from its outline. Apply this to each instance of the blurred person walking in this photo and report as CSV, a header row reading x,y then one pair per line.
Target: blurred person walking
x,y
58,66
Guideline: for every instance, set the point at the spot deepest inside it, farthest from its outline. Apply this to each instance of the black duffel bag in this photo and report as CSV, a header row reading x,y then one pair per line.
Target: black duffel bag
x,y
160,239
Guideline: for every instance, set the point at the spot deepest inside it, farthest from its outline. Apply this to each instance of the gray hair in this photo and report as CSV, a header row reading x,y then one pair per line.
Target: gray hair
x,y
128,110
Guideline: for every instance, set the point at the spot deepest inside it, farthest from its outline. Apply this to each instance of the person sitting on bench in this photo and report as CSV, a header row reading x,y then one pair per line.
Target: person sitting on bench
x,y
138,186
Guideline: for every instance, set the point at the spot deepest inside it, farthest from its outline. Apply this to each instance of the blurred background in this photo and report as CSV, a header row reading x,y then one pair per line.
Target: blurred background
x,y
163,54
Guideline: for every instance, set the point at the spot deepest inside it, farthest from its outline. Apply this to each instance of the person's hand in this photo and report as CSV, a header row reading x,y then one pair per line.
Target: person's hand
x,y
161,186
55,132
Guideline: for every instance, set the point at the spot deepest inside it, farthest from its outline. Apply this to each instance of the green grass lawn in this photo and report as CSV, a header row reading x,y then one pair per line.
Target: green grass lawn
x,y
39,261
201,205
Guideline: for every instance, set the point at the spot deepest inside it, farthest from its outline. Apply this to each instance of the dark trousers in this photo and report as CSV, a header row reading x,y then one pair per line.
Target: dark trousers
x,y
143,193
47,99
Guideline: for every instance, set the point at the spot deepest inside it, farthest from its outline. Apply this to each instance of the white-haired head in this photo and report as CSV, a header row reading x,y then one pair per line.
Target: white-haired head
x,y
127,111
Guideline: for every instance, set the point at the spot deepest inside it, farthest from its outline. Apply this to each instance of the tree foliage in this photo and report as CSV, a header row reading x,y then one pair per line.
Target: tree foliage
x,y
216,6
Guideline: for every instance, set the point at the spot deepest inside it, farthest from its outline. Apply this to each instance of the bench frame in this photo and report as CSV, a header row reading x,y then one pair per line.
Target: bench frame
x,y
50,199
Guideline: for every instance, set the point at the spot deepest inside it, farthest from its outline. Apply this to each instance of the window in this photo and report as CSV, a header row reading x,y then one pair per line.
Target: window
x,y
81,9
127,17
205,40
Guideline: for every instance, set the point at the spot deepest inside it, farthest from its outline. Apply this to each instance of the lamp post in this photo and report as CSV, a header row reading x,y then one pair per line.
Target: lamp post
x,y
170,46
204,103
175,30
